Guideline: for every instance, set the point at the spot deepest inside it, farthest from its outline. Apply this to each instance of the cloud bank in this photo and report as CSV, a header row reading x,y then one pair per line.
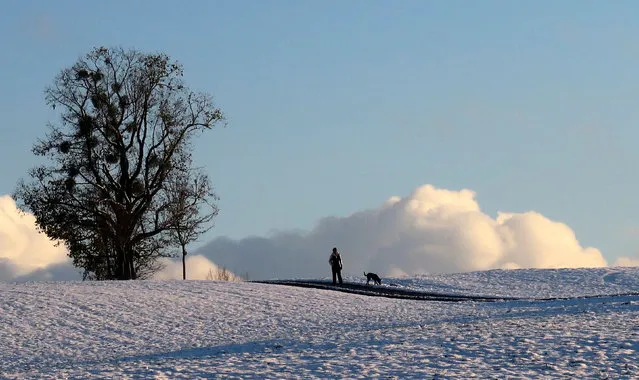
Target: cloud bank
x,y
431,230
25,253
627,262
198,267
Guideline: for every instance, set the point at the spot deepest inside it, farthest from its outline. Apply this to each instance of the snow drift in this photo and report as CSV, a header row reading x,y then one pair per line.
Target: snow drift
x,y
209,329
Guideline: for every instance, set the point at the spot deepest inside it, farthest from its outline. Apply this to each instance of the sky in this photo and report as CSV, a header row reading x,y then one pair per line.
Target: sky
x,y
336,107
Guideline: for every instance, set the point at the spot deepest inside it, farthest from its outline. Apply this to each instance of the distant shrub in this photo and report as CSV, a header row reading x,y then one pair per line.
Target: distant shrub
x,y
223,274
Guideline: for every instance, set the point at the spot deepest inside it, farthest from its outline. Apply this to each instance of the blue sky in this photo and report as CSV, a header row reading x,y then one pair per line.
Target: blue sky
x,y
334,106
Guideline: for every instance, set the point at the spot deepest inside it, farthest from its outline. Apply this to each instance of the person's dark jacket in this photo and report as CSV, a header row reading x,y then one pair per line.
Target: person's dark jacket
x,y
336,261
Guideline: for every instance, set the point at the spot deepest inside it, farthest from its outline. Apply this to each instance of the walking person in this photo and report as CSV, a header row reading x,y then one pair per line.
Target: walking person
x,y
336,266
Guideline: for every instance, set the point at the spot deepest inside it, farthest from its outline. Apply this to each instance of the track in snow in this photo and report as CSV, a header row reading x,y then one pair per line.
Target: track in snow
x,y
402,293
384,291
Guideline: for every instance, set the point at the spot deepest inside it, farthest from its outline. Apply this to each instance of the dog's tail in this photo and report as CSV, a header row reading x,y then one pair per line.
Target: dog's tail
x,y
365,273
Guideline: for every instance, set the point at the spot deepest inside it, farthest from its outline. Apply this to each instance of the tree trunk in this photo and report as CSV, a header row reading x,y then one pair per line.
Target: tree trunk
x,y
125,264
183,263
120,264
132,274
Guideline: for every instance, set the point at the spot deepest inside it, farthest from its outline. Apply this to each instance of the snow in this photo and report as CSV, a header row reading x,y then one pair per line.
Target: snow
x,y
206,329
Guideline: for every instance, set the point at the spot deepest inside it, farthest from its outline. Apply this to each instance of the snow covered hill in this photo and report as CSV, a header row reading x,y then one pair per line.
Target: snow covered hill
x,y
205,329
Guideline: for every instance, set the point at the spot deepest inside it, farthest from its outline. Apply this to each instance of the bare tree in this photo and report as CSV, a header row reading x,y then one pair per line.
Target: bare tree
x,y
192,209
126,123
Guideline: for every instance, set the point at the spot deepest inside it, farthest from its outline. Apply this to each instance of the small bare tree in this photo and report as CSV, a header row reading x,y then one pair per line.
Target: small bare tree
x,y
192,208
223,274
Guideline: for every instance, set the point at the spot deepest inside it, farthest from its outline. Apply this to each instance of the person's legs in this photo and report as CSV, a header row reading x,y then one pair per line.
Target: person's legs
x,y
334,275
339,275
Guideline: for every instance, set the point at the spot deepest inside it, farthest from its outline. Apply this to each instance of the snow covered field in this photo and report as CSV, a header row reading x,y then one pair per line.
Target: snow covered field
x,y
204,329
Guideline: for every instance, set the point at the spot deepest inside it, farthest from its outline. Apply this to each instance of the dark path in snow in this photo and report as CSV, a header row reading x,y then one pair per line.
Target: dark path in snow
x,y
390,291
383,291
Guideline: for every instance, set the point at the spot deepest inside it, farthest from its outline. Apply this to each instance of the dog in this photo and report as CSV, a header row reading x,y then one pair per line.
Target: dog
x,y
374,277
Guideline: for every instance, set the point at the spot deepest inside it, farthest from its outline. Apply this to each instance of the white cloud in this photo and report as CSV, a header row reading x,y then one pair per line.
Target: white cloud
x,y
26,253
431,230
627,262
198,267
